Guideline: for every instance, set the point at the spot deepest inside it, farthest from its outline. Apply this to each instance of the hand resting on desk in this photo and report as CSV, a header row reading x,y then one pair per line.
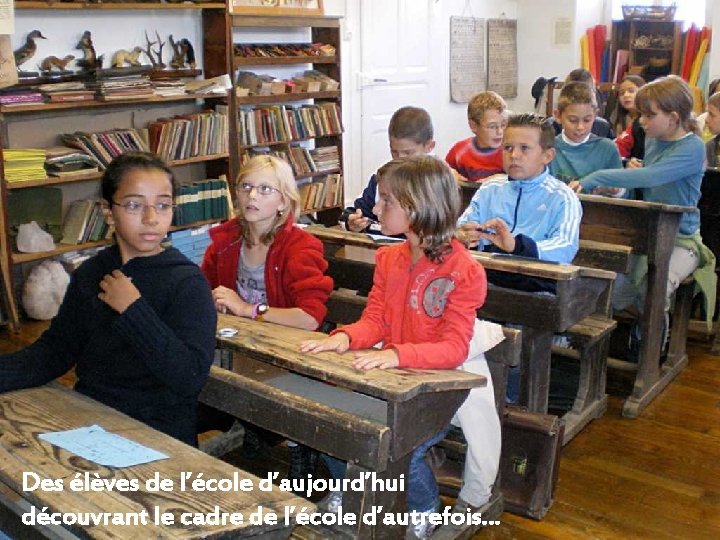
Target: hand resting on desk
x,y
340,343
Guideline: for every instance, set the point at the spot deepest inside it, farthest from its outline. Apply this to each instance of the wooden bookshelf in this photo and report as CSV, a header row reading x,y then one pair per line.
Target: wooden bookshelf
x,y
20,4
94,103
56,180
317,174
286,98
240,61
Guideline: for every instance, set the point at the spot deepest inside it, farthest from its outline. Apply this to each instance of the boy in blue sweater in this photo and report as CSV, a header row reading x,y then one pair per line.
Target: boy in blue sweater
x,y
578,152
411,133
530,213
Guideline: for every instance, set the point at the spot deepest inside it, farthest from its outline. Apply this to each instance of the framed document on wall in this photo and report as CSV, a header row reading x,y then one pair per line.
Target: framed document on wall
x,y
278,8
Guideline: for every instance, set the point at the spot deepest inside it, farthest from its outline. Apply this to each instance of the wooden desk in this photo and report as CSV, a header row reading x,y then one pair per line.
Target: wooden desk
x,y
25,414
579,292
373,419
649,229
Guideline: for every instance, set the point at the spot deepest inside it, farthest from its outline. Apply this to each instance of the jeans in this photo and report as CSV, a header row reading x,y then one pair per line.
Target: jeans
x,y
423,492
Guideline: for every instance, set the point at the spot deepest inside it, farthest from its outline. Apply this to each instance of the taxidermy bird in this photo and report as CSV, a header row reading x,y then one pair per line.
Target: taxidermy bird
x,y
26,52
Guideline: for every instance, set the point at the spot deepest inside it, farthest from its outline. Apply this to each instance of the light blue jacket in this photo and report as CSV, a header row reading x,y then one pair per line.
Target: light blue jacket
x,y
542,208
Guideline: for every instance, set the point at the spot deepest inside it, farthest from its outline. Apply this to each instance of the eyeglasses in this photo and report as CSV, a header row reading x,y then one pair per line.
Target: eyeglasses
x,y
494,127
135,208
262,189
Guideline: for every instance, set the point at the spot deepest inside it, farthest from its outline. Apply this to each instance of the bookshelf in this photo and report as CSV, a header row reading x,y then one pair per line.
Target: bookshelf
x,y
227,42
39,125
645,40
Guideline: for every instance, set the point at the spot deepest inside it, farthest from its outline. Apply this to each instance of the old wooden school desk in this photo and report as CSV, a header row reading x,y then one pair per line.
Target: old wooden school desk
x,y
579,292
25,414
649,229
373,419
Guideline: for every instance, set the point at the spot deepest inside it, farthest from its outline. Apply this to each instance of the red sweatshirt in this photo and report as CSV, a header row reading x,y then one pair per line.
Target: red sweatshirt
x,y
426,312
294,268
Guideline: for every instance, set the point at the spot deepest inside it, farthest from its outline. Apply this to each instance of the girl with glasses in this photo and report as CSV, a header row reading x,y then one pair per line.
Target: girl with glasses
x,y
261,266
137,321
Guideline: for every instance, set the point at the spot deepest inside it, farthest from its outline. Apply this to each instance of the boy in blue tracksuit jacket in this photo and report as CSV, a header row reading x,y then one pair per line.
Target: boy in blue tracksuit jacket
x,y
531,214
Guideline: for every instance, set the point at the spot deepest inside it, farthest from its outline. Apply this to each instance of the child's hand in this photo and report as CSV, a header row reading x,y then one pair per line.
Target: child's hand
x,y
118,291
498,232
356,222
634,163
576,186
609,191
227,300
468,234
384,359
339,343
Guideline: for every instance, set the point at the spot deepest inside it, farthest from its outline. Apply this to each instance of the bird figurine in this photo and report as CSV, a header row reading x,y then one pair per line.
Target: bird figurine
x,y
26,52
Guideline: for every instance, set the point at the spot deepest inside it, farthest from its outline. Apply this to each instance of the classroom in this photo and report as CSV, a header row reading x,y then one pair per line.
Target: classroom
x,y
271,335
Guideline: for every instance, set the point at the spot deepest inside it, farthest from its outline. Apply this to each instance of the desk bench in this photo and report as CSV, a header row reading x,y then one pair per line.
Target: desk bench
x,y
368,418
25,414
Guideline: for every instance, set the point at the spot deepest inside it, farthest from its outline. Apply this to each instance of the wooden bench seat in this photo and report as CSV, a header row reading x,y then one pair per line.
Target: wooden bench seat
x,y
590,341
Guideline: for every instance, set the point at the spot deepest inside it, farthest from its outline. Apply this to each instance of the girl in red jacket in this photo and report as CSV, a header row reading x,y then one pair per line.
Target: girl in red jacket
x,y
422,307
263,267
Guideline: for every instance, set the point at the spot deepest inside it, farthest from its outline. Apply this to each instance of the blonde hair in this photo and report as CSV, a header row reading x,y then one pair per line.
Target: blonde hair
x,y
482,102
425,189
669,94
286,186
576,93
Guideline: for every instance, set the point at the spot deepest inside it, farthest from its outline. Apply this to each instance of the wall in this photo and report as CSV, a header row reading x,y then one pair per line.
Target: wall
x,y
63,29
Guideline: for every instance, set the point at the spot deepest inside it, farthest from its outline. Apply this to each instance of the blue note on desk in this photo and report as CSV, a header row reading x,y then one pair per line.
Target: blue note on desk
x,y
102,447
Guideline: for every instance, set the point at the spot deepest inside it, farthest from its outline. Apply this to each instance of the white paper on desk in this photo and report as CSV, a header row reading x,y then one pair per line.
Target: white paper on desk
x,y
382,239
102,447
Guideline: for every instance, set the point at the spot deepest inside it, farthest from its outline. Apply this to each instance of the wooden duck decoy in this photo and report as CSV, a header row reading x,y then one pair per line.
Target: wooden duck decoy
x,y
26,52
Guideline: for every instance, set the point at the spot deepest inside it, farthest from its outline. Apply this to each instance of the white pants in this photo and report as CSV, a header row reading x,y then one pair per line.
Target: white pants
x,y
683,262
479,421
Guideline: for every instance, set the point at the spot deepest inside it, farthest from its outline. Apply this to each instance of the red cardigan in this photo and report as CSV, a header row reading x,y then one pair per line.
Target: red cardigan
x,y
425,312
294,268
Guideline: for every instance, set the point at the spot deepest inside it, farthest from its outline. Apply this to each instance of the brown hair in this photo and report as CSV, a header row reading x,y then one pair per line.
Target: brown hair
x,y
580,75
619,117
411,123
426,190
286,186
531,120
576,93
482,102
714,100
669,94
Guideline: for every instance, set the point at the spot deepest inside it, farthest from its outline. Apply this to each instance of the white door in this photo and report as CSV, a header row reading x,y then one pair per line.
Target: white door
x,y
395,66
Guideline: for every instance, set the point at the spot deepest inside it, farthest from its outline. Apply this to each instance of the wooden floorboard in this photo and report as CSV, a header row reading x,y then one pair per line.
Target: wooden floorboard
x,y
654,477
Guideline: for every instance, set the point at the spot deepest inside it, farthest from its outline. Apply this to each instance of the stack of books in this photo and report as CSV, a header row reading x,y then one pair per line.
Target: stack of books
x,y
24,164
325,158
63,161
20,97
168,87
112,88
66,91
324,192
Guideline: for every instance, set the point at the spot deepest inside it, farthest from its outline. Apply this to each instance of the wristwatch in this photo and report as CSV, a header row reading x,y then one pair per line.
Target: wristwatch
x,y
258,311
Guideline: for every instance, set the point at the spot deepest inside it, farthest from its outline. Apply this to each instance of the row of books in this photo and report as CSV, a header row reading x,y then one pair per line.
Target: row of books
x,y
185,136
279,123
304,161
84,222
105,145
202,200
325,192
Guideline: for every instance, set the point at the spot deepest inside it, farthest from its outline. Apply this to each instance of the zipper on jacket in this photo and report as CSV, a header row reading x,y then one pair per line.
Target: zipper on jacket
x,y
517,206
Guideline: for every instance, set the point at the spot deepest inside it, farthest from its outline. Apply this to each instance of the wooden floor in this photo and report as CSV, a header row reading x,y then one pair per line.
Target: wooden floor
x,y
654,477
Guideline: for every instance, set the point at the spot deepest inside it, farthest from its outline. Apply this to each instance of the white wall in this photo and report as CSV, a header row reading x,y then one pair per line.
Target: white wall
x,y
111,30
